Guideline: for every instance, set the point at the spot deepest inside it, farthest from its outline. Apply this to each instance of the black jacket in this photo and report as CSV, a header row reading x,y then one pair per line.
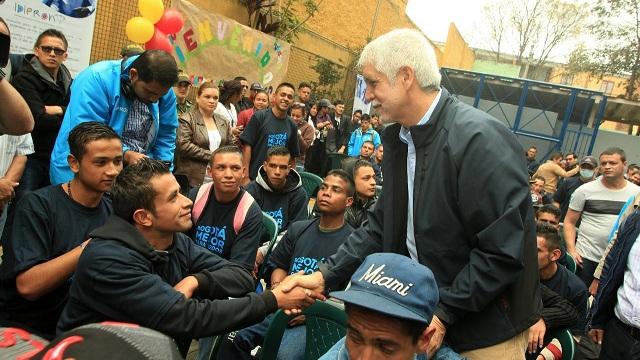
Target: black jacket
x,y
39,90
285,206
474,225
356,214
120,277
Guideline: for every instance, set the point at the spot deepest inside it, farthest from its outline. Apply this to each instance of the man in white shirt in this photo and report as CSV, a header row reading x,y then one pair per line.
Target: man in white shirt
x,y
597,204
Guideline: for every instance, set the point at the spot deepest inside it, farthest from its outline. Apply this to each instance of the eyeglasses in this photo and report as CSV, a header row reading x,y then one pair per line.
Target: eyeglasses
x,y
49,49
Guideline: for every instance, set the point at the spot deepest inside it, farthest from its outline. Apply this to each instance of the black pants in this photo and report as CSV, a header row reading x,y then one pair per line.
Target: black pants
x,y
618,343
585,273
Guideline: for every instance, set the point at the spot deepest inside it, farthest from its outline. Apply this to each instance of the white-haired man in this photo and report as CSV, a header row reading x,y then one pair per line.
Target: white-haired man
x,y
459,204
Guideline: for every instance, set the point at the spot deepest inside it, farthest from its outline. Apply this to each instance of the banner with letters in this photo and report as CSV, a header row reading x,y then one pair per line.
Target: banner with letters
x,y
214,47
74,18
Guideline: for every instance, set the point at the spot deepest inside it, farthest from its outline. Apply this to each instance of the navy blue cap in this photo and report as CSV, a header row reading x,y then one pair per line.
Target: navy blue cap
x,y
394,285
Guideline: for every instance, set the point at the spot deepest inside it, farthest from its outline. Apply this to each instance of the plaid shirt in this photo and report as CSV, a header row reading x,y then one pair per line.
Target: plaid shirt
x,y
139,131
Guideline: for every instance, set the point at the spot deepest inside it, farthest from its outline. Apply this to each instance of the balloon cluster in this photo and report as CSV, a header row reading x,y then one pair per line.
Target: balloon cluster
x,y
152,28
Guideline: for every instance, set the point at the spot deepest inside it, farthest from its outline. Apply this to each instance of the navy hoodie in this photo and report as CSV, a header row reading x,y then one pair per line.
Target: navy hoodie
x,y
120,277
285,206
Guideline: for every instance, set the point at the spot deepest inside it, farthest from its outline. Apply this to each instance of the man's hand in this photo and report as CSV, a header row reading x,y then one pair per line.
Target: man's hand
x,y
576,256
313,281
438,336
593,288
131,157
53,110
7,191
596,335
295,300
187,286
536,336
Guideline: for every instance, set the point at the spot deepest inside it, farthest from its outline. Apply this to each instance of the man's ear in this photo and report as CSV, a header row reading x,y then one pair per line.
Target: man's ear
x,y
74,164
349,201
133,74
555,254
425,338
142,217
407,76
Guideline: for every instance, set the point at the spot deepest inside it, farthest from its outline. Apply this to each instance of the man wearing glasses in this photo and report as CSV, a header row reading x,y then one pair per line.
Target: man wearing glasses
x,y
43,81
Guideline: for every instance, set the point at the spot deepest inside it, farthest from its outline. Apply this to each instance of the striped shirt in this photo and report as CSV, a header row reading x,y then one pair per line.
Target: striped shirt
x,y
600,207
139,131
12,146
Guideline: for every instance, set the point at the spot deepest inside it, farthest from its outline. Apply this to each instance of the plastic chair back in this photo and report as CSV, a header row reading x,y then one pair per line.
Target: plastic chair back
x,y
310,183
326,324
571,263
271,229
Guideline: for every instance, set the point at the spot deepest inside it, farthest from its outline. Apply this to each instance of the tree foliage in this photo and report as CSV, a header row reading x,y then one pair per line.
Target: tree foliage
x,y
617,51
533,28
329,75
284,21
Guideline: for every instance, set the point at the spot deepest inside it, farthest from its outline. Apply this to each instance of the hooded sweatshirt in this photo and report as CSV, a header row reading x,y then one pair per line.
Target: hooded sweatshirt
x,y
39,89
285,206
120,277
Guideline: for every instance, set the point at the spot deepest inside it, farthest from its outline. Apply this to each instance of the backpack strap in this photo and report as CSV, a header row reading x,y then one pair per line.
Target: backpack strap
x,y
241,211
201,200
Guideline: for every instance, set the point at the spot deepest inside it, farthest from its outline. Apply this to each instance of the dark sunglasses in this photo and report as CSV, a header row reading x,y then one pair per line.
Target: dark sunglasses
x,y
245,86
49,49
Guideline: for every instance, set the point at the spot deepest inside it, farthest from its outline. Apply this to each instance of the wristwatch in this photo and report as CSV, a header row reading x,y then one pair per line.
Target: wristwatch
x,y
2,74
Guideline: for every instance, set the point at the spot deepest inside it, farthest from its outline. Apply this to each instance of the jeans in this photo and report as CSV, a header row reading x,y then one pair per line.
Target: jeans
x,y
244,341
585,273
618,343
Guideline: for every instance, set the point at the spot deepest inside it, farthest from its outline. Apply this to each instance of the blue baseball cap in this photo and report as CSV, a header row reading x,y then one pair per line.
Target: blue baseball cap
x,y
394,285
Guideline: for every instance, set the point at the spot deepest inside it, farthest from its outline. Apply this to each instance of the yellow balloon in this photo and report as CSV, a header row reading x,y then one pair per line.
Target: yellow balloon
x,y
139,30
151,9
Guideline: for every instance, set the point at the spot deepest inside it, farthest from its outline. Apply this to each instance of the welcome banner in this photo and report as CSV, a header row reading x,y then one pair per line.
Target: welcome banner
x,y
75,18
211,46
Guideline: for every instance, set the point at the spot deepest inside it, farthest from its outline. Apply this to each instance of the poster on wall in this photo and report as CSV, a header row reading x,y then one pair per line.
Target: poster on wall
x,y
74,18
359,100
214,47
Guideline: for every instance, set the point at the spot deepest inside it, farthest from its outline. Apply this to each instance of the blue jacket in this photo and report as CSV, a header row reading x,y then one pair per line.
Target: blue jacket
x,y
95,96
613,272
358,138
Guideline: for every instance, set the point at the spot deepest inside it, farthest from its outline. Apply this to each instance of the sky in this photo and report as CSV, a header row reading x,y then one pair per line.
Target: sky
x,y
433,18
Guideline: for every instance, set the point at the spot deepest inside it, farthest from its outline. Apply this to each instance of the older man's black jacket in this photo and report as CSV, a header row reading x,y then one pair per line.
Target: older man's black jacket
x,y
473,224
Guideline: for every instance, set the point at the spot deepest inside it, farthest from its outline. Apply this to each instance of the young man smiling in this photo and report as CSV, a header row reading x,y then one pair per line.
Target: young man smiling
x,y
51,229
269,128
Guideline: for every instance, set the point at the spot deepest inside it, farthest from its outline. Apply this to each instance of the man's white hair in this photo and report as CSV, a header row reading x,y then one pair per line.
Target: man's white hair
x,y
403,47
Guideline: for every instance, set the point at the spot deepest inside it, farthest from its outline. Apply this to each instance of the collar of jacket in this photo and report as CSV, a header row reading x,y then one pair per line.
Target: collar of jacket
x,y
63,72
116,228
422,134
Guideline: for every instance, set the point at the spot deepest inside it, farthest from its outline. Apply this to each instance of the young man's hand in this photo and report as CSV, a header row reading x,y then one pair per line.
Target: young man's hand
x,y
187,286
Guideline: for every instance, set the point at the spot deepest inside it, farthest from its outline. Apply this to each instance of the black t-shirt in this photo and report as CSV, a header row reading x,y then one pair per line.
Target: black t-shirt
x,y
215,232
265,131
47,224
284,207
304,246
569,286
564,192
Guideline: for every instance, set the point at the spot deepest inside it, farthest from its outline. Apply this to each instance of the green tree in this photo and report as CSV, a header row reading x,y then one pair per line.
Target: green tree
x,y
617,51
284,21
329,75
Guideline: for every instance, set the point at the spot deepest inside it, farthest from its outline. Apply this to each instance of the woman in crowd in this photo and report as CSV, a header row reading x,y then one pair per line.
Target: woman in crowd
x,y
230,94
313,112
201,132
260,102
306,132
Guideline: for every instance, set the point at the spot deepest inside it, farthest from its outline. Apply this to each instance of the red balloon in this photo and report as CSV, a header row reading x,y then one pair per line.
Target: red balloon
x,y
171,21
159,41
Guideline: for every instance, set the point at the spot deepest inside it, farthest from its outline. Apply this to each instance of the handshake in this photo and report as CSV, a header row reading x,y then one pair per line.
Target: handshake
x,y
293,294
298,291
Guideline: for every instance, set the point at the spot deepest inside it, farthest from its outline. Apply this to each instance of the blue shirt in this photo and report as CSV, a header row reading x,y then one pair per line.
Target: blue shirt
x,y
405,137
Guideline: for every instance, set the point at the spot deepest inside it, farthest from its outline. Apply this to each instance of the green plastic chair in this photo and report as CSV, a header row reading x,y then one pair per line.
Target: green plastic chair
x,y
310,183
568,345
271,229
326,324
335,160
571,263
